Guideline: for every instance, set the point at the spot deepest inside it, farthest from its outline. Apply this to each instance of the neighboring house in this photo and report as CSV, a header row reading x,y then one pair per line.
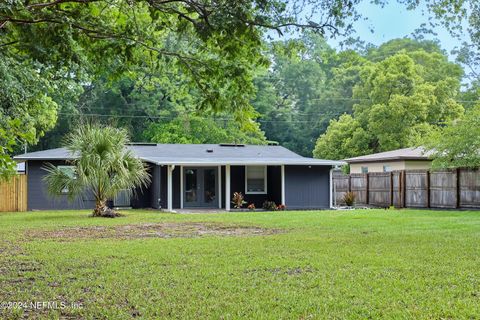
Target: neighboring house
x,y
201,176
401,159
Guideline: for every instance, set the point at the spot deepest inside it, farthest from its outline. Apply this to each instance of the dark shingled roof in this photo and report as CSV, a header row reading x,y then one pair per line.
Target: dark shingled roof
x,y
400,154
203,154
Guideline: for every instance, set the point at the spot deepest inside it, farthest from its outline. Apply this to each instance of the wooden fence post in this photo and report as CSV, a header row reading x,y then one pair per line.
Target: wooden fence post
x,y
404,189
458,188
367,200
391,188
428,187
350,183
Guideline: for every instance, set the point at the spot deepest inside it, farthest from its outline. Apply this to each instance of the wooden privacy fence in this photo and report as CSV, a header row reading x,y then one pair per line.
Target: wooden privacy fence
x,y
13,194
458,188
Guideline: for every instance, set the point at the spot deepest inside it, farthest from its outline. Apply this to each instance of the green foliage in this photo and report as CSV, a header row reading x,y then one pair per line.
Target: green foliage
x,y
305,88
208,49
269,206
196,129
27,109
400,100
457,144
103,166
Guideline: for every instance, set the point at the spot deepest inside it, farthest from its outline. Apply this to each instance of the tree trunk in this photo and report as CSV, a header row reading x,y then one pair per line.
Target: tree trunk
x,y
101,210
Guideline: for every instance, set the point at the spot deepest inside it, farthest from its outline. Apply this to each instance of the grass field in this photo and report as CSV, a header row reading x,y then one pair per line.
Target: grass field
x,y
302,265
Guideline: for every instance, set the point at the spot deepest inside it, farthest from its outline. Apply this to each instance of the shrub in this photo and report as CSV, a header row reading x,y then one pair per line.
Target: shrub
x,y
238,200
269,206
349,198
251,206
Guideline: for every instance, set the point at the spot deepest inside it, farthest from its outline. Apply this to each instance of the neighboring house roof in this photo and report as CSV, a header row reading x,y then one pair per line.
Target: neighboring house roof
x,y
204,154
400,154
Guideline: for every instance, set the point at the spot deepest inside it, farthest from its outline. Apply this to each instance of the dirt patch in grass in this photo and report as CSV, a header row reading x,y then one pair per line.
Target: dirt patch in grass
x,y
157,230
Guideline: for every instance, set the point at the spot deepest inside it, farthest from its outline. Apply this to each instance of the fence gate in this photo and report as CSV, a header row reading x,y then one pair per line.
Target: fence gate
x,y
13,194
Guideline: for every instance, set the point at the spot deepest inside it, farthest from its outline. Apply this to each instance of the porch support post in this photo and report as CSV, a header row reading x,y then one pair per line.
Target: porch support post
x,y
282,170
219,187
169,187
227,187
181,187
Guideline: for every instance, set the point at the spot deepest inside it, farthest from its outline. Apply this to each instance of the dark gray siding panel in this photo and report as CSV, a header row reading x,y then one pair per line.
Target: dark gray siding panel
x,y
163,186
155,188
307,188
39,199
142,198
176,187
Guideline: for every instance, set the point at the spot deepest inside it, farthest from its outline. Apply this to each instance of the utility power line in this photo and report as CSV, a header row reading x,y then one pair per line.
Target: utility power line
x,y
173,117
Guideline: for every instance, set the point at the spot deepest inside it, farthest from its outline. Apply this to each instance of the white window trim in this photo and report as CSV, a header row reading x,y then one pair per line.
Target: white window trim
x,y
265,181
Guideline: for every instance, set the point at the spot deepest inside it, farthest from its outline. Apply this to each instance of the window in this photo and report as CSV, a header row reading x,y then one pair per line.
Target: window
x,y
387,169
69,171
255,179
364,169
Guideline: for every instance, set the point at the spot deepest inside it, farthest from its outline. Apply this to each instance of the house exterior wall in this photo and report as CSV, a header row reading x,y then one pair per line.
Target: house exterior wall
x,y
237,179
38,197
142,197
418,165
307,187
395,165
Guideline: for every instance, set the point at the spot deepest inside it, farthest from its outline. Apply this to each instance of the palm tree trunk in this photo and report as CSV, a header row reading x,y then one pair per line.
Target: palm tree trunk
x,y
100,208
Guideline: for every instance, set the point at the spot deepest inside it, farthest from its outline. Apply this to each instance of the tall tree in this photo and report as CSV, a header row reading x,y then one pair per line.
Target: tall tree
x,y
216,45
197,129
457,144
399,101
306,86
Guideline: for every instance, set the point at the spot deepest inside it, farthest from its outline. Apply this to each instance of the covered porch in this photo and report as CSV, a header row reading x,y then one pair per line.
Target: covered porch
x,y
204,186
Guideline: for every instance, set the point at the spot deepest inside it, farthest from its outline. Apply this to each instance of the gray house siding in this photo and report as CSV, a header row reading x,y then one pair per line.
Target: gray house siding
x,y
307,187
38,197
142,197
155,188
237,184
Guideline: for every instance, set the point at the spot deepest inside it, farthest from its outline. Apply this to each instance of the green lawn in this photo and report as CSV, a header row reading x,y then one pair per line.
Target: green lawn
x,y
302,265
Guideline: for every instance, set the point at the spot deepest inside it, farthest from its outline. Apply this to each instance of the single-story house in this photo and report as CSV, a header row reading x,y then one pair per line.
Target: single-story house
x,y
201,176
401,159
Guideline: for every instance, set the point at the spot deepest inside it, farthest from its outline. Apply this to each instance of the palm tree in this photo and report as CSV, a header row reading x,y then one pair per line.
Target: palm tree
x,y
103,166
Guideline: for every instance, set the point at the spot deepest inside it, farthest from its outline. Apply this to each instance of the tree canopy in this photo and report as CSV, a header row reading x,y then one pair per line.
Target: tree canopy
x,y
399,100
210,48
458,143
196,129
